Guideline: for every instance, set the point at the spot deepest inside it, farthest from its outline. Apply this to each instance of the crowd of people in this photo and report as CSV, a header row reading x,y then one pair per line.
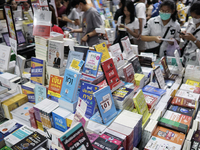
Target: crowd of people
x,y
155,26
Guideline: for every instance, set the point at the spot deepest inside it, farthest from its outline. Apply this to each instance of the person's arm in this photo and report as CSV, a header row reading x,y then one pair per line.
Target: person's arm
x,y
90,34
192,38
65,18
77,22
151,38
77,30
140,24
134,33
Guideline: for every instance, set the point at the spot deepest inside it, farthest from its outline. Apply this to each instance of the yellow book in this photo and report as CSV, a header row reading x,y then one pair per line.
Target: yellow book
x,y
146,121
69,120
107,24
39,125
194,83
102,48
139,79
13,103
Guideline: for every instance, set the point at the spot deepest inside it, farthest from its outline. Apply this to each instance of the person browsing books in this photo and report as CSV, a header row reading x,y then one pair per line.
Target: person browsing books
x,y
56,62
192,37
91,19
163,26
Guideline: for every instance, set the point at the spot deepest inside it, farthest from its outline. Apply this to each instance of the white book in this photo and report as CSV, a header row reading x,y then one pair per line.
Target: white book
x,y
55,53
187,95
20,63
5,53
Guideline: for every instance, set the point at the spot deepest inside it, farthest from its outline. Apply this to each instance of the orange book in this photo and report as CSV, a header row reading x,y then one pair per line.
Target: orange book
x,y
55,85
169,135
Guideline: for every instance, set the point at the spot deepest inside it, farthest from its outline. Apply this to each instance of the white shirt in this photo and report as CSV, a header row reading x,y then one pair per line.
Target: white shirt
x,y
132,26
155,27
140,9
191,47
73,15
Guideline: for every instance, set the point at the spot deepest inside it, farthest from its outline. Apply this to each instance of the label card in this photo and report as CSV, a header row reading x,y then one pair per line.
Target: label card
x,y
159,77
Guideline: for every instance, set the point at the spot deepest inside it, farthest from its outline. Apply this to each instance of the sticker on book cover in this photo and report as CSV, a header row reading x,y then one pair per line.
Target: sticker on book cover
x,y
106,103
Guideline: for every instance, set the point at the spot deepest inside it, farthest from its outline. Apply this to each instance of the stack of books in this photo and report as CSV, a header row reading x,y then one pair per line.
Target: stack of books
x,y
41,45
28,89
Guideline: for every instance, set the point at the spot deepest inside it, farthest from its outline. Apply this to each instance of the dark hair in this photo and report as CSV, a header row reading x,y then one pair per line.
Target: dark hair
x,y
195,8
131,8
69,7
76,2
123,3
53,17
149,2
171,4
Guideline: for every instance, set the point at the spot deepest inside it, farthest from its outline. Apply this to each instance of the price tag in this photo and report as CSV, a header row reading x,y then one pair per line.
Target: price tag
x,y
106,103
75,65
13,44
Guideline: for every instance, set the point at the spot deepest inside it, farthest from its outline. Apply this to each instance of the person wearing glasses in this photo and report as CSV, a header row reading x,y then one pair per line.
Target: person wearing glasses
x,y
192,36
161,27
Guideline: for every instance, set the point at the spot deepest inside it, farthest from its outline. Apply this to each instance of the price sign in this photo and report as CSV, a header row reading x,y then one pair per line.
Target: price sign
x,y
106,103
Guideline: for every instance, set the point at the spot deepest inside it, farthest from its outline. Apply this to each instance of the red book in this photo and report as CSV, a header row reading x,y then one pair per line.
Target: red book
x,y
111,74
151,100
184,102
129,73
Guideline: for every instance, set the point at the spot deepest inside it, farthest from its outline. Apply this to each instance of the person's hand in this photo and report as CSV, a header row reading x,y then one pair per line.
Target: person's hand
x,y
72,30
84,39
158,39
171,43
189,37
59,18
139,37
122,26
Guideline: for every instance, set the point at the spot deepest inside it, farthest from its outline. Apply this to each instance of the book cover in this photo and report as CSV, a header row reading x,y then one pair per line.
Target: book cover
x,y
182,110
196,136
190,88
102,48
6,148
111,74
29,91
40,93
187,95
183,102
194,83
121,93
136,65
141,105
174,116
169,135
76,65
127,47
105,103
165,67
86,94
55,86
159,77
70,85
151,99
129,73
102,84
72,55
37,71
117,53
153,90
92,62
33,142
75,138
55,53
5,57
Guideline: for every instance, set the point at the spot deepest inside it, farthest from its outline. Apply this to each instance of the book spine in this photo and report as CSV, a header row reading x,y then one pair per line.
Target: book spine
x,y
62,145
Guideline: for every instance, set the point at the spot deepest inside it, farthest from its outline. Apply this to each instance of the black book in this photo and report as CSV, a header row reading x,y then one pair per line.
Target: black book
x,y
136,65
182,110
31,142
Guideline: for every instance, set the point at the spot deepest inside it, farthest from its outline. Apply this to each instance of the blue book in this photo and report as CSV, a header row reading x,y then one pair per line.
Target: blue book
x,y
92,62
70,85
72,55
40,93
153,90
86,94
105,104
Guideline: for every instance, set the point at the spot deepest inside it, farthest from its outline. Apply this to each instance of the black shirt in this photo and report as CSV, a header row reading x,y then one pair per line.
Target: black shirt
x,y
118,13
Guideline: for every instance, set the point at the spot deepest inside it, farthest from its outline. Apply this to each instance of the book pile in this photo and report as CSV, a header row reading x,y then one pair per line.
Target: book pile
x,y
41,45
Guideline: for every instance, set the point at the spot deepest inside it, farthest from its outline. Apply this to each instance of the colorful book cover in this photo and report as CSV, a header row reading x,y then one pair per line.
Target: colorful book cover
x,y
6,148
102,84
153,90
111,74
169,135
129,73
136,65
37,71
74,135
184,102
190,88
178,117
33,142
86,94
121,93
105,104
182,110
187,95
29,92
191,82
70,85
40,93
196,136
92,63
141,105
102,48
151,99
72,55
55,86
76,65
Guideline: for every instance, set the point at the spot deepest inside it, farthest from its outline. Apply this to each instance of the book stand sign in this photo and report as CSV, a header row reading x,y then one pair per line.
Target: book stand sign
x,y
159,77
40,5
10,22
128,51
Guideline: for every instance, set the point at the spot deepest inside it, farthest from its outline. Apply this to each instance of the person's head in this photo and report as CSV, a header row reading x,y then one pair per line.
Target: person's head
x,y
79,5
142,1
168,10
53,16
195,12
129,11
149,2
26,6
58,3
68,5
13,5
57,54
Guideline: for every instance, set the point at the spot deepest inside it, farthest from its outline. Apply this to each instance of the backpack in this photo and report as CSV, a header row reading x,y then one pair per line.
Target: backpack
x,y
155,10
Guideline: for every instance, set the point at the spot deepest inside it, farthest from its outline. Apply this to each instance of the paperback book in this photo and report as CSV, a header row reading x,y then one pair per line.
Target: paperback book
x,y
40,93
183,102
129,73
154,90
182,110
102,48
74,55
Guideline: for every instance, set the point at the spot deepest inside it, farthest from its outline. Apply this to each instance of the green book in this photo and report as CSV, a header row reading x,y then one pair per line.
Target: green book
x,y
6,148
173,125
